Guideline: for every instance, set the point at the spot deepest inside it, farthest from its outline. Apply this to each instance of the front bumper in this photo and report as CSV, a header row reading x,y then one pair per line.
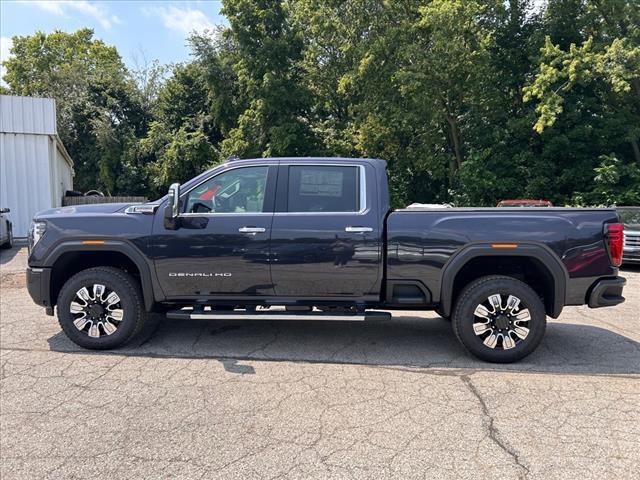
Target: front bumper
x,y
631,256
38,285
607,292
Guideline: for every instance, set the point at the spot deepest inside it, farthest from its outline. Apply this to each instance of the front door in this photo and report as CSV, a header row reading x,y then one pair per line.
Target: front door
x,y
222,245
326,238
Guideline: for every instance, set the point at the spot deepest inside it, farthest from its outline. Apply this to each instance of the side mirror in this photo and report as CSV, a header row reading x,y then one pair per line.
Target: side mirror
x,y
5,210
172,210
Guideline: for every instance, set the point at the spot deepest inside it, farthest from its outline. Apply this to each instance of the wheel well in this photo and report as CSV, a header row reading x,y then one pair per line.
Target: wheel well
x,y
71,263
527,269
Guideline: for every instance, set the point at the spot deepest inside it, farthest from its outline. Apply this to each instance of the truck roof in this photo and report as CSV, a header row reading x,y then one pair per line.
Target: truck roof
x,y
305,159
375,162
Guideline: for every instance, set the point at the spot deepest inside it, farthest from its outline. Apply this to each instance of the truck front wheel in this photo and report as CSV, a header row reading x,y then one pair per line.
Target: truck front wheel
x,y
499,319
101,308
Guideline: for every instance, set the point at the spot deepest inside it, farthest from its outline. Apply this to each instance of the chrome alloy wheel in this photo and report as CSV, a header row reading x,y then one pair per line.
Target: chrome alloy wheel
x,y
98,312
501,326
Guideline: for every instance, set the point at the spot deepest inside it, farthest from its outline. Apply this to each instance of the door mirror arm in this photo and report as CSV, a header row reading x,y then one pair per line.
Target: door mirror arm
x,y
172,210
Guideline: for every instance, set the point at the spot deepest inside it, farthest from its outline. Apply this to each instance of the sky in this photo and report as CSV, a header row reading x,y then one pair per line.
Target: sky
x,y
138,29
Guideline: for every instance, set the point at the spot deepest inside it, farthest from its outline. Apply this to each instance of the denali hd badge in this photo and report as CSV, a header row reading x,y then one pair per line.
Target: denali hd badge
x,y
198,274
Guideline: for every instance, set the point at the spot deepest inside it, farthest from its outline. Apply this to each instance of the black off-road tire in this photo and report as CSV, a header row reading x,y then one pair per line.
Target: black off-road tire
x,y
477,292
131,299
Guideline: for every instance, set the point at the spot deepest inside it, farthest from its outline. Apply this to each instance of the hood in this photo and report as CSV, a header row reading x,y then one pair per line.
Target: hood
x,y
96,208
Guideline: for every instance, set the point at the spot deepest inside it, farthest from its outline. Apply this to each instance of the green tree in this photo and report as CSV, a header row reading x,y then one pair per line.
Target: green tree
x,y
275,121
179,143
408,79
335,35
98,113
587,92
470,101
196,109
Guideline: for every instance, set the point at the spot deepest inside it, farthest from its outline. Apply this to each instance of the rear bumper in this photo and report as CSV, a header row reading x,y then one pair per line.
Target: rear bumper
x,y
38,285
607,292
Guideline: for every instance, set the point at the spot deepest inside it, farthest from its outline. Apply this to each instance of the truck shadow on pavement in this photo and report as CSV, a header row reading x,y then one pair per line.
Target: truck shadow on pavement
x,y
404,341
7,256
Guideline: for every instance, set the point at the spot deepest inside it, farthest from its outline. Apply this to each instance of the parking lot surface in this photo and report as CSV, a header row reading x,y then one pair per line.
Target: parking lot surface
x,y
266,400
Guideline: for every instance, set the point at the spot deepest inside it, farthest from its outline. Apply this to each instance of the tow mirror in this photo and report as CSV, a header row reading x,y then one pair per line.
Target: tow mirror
x,y
172,210
5,210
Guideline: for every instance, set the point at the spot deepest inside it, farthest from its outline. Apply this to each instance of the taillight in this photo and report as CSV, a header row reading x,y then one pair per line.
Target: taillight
x,y
614,236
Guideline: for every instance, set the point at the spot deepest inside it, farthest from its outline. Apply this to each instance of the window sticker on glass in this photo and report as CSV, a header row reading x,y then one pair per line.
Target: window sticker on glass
x,y
318,182
323,188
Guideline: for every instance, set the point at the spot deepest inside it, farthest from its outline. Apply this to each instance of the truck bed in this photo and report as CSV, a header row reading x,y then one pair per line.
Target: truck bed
x,y
421,242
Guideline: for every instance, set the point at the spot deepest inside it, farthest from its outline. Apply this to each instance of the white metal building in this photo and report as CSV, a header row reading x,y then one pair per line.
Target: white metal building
x,y
35,168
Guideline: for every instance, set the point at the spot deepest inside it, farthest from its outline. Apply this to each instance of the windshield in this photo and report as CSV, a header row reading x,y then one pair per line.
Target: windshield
x,y
629,215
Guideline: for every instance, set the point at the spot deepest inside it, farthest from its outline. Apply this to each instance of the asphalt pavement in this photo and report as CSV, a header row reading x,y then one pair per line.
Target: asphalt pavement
x,y
266,400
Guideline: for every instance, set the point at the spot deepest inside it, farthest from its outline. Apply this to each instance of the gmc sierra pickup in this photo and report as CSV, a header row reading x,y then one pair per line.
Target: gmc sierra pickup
x,y
315,238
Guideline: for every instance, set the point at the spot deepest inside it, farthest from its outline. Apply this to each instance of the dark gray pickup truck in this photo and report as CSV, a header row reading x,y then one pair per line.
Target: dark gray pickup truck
x,y
315,239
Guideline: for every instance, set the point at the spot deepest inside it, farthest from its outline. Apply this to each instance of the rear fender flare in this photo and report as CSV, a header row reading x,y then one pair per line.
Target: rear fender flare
x,y
542,253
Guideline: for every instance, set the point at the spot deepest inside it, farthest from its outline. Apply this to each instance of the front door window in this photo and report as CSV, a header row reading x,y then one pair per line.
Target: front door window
x,y
241,190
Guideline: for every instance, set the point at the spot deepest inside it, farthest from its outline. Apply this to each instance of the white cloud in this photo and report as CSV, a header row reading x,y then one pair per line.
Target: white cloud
x,y
5,46
183,20
52,7
97,11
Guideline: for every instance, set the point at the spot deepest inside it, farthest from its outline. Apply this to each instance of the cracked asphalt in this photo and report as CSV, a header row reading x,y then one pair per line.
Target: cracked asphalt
x,y
266,400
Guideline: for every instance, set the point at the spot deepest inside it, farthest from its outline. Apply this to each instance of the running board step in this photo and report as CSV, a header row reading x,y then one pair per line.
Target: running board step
x,y
279,315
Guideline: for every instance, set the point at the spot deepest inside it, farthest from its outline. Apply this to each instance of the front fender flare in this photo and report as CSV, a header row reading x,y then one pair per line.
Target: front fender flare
x,y
130,251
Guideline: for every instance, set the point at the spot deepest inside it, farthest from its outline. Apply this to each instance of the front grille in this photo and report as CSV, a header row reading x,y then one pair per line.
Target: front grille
x,y
632,240
631,250
631,257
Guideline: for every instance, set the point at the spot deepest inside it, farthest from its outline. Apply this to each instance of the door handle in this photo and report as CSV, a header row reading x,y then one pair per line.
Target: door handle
x,y
253,230
358,229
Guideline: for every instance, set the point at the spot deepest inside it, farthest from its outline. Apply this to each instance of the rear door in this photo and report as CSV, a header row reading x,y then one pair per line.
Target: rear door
x,y
326,239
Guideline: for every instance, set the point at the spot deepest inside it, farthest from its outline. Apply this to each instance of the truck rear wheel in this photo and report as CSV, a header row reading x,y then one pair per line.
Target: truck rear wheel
x,y
101,308
499,319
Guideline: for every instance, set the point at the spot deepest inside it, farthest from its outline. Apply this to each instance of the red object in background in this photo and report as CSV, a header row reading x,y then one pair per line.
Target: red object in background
x,y
209,194
614,234
524,203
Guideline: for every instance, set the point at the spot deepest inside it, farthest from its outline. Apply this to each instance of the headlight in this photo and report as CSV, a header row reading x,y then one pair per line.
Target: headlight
x,y
35,233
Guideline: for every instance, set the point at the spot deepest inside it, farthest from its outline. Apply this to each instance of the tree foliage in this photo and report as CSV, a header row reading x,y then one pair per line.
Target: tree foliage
x,y
98,112
469,101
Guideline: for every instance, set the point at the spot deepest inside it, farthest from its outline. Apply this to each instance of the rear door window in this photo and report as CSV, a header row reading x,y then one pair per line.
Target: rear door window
x,y
324,188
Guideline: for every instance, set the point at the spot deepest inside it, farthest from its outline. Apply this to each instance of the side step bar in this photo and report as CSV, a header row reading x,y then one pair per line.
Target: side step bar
x,y
277,315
